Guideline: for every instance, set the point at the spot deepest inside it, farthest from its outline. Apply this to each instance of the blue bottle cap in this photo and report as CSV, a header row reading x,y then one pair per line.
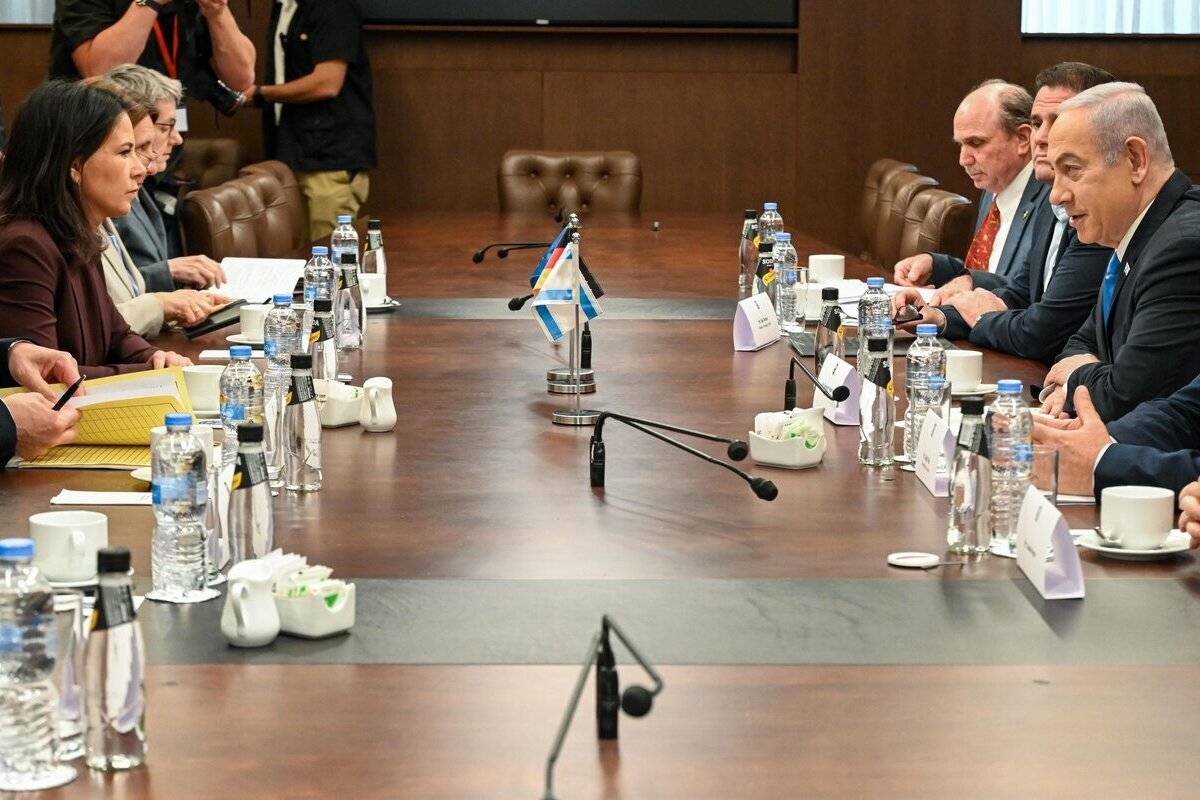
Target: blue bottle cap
x,y
240,351
780,236
16,548
770,206
320,250
178,420
875,282
1009,387
344,219
283,299
927,329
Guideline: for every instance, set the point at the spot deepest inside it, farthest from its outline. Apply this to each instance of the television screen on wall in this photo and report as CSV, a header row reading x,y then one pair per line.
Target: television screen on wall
x,y
1110,17
665,13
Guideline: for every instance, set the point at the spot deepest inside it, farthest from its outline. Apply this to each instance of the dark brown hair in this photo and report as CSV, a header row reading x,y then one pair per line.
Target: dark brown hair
x,y
1074,75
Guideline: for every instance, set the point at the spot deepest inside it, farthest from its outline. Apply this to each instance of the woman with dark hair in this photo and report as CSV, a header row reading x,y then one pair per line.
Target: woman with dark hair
x,y
70,164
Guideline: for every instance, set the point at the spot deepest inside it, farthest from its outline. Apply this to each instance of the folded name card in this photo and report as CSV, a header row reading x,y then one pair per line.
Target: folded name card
x,y
935,455
1045,551
754,323
836,372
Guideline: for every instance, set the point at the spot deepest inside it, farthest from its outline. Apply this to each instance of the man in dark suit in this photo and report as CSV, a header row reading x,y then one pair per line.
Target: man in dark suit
x,y
1114,174
991,128
29,425
1053,291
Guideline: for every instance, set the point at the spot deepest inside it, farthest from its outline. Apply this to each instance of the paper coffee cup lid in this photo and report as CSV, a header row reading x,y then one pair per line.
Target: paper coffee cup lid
x,y
913,560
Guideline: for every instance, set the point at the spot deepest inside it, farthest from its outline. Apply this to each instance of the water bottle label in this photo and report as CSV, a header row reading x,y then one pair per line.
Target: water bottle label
x,y
113,607
233,412
322,330
880,374
270,347
250,470
10,639
766,266
831,318
1022,453
341,283
301,390
973,438
349,278
168,489
310,293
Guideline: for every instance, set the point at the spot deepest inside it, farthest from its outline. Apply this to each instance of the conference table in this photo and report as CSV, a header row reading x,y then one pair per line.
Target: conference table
x,y
797,663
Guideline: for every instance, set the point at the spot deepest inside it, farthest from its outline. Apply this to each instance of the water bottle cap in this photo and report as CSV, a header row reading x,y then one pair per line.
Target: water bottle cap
x,y
972,406
344,219
927,329
751,213
876,345
282,299
320,250
783,237
112,559
322,305
240,351
16,548
249,432
875,282
936,382
770,206
829,293
178,420
1009,387
301,361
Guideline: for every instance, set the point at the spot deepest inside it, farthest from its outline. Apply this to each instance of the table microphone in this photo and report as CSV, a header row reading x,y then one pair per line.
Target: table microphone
x,y
517,303
737,450
477,257
837,395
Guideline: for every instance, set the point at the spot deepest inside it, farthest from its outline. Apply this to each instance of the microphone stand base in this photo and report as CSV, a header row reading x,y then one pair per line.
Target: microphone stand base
x,y
577,417
566,387
563,374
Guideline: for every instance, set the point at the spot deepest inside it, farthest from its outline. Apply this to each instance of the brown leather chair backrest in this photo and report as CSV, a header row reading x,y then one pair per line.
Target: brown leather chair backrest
x,y
877,173
294,198
530,180
937,221
276,229
221,222
209,162
905,186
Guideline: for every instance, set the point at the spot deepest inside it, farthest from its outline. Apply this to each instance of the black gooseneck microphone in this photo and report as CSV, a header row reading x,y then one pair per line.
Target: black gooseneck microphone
x,y
636,701
737,450
585,347
837,395
477,257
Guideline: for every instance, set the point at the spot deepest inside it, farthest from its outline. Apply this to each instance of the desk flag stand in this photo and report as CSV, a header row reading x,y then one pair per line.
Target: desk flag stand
x,y
574,415
558,380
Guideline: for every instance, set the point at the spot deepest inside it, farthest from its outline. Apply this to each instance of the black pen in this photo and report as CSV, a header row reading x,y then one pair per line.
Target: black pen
x,y
69,393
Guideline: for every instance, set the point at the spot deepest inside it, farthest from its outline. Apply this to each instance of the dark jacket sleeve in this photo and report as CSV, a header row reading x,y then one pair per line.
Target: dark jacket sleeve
x,y
1137,465
6,378
987,280
8,436
1159,351
946,268
143,252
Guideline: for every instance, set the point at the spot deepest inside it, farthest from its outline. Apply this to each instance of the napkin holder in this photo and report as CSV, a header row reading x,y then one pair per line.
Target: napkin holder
x,y
311,617
788,453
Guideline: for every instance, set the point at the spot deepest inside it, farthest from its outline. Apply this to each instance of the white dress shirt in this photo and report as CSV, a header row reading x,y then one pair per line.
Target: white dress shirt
x,y
1007,200
1061,219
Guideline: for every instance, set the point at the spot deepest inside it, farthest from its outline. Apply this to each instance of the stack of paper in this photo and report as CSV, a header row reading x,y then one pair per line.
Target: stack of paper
x,y
257,280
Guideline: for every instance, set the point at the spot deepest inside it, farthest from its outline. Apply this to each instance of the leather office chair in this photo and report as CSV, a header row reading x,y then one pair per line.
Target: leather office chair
x,y
877,174
903,186
937,221
277,229
294,197
530,180
220,222
206,163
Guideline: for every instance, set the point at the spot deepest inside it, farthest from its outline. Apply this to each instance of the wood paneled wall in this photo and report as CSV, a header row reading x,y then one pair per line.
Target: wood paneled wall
x,y
722,120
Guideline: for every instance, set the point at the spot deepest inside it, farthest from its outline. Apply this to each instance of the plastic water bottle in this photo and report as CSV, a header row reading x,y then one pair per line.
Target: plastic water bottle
x,y
926,357
831,339
322,342
215,540
302,430
1010,428
251,531
179,492
320,279
375,258
970,531
877,406
343,240
281,334
747,252
788,305
114,666
349,309
28,699
769,223
241,397
874,309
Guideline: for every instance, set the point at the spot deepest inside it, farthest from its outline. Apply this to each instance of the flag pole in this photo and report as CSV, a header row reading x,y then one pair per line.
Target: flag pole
x,y
575,415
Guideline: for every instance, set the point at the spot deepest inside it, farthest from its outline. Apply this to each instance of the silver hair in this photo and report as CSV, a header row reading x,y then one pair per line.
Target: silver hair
x,y
147,85
1119,111
1013,103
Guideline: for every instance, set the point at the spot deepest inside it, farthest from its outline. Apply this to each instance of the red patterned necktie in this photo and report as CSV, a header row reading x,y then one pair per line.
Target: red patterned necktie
x,y
980,252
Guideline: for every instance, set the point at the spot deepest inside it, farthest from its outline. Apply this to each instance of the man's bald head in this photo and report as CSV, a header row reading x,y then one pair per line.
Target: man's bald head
x,y
991,129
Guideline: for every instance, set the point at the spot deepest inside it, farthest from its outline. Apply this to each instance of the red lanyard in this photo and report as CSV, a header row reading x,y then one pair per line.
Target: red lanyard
x,y
170,60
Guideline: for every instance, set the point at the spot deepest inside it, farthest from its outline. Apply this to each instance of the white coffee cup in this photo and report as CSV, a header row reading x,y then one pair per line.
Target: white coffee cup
x,y
65,543
826,268
813,301
374,288
964,369
204,386
253,317
1136,517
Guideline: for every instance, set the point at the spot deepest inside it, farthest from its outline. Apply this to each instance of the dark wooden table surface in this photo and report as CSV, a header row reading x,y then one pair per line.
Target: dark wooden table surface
x,y
476,483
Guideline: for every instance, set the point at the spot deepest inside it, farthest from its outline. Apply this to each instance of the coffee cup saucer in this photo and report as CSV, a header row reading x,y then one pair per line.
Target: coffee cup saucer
x,y
83,584
241,338
972,391
1177,542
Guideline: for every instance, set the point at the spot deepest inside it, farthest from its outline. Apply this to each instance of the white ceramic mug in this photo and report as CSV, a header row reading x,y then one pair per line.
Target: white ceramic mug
x,y
1136,517
378,411
204,386
250,618
374,288
813,301
964,369
65,543
826,268
253,318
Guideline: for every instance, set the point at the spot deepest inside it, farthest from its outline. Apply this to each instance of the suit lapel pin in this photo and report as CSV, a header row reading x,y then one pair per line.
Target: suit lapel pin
x,y
1126,269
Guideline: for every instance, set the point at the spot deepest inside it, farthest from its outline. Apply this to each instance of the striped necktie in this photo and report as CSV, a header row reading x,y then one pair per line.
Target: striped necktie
x,y
1110,285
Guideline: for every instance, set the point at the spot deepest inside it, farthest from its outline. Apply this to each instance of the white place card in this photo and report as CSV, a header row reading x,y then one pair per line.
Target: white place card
x,y
754,323
935,454
71,497
837,372
1045,551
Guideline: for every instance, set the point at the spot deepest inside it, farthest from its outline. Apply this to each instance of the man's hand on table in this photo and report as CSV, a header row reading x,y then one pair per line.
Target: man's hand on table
x,y
1078,448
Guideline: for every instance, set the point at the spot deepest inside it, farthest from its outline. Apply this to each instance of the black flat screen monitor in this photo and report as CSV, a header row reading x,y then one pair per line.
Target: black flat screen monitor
x,y
599,13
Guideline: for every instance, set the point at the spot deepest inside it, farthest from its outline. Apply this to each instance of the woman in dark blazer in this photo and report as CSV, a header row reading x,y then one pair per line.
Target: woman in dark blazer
x,y
70,163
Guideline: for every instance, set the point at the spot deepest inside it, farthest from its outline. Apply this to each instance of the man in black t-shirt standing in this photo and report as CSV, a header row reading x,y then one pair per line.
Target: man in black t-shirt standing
x,y
318,115
194,41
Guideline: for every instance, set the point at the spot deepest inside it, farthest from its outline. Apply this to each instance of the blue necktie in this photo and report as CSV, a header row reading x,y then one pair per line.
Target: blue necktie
x,y
1110,285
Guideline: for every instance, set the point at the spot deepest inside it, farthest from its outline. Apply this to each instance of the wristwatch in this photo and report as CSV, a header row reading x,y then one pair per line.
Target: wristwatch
x,y
153,5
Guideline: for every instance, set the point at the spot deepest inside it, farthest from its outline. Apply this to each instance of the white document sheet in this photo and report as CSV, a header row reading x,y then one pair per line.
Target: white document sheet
x,y
70,497
257,280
